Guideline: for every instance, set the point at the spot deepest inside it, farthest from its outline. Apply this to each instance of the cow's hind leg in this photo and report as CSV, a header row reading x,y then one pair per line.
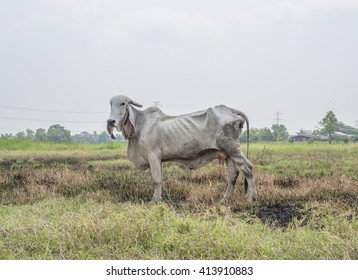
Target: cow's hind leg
x,y
232,174
245,165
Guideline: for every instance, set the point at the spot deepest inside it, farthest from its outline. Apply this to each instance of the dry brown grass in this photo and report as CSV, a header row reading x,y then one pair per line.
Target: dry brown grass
x,y
30,186
190,188
282,178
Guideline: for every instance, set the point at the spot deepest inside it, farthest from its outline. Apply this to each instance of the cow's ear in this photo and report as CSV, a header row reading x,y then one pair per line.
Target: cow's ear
x,y
129,124
131,115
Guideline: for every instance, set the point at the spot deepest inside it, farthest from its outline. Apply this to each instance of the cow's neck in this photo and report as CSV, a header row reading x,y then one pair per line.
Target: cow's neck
x,y
133,140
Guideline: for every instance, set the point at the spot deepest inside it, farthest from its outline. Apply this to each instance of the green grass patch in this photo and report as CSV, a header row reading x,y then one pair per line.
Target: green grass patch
x,y
27,145
72,229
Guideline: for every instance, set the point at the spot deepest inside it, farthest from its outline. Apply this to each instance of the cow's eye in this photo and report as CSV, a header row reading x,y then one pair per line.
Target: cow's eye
x,y
122,104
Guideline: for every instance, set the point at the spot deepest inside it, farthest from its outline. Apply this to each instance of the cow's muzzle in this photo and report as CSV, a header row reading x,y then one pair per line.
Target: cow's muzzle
x,y
111,124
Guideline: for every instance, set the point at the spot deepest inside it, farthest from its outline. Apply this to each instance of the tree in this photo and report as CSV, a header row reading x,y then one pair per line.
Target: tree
x,y
83,137
280,132
254,135
305,132
6,136
30,134
330,124
20,135
103,137
95,138
57,133
41,134
258,135
266,135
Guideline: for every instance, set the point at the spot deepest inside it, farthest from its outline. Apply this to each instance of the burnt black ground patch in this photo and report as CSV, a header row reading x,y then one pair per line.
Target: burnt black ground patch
x,y
275,215
278,215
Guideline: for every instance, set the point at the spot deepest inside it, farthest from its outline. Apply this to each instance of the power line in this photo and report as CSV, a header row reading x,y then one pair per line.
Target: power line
x,y
260,120
41,120
10,128
47,111
19,130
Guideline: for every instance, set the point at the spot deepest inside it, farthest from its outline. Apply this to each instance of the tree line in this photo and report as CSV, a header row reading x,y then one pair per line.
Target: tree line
x,y
277,133
330,130
57,133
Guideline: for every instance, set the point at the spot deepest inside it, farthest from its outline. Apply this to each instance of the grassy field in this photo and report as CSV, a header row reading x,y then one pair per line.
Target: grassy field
x,y
76,201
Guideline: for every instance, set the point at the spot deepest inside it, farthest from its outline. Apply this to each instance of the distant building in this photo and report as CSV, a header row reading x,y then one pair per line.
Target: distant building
x,y
322,138
306,137
342,134
301,138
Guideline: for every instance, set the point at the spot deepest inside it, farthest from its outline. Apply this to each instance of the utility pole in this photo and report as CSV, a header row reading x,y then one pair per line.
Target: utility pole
x,y
356,123
278,119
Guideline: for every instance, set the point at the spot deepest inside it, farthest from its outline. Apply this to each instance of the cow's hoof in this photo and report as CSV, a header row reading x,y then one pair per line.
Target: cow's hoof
x,y
224,201
251,198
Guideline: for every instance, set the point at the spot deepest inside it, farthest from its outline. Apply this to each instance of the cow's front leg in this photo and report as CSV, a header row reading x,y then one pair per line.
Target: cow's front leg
x,y
156,171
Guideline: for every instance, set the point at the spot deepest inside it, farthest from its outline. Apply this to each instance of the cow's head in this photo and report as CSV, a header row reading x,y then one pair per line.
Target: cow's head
x,y
122,117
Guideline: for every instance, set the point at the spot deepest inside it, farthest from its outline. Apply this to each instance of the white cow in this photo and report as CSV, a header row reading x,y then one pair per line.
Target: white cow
x,y
194,140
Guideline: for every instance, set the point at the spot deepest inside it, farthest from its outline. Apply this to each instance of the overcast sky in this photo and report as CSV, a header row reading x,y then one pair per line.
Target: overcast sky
x,y
62,60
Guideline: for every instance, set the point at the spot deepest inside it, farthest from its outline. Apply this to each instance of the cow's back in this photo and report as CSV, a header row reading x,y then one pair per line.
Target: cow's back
x,y
188,135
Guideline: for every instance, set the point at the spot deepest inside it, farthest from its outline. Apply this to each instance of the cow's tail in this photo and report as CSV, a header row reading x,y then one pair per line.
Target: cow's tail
x,y
242,114
237,112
